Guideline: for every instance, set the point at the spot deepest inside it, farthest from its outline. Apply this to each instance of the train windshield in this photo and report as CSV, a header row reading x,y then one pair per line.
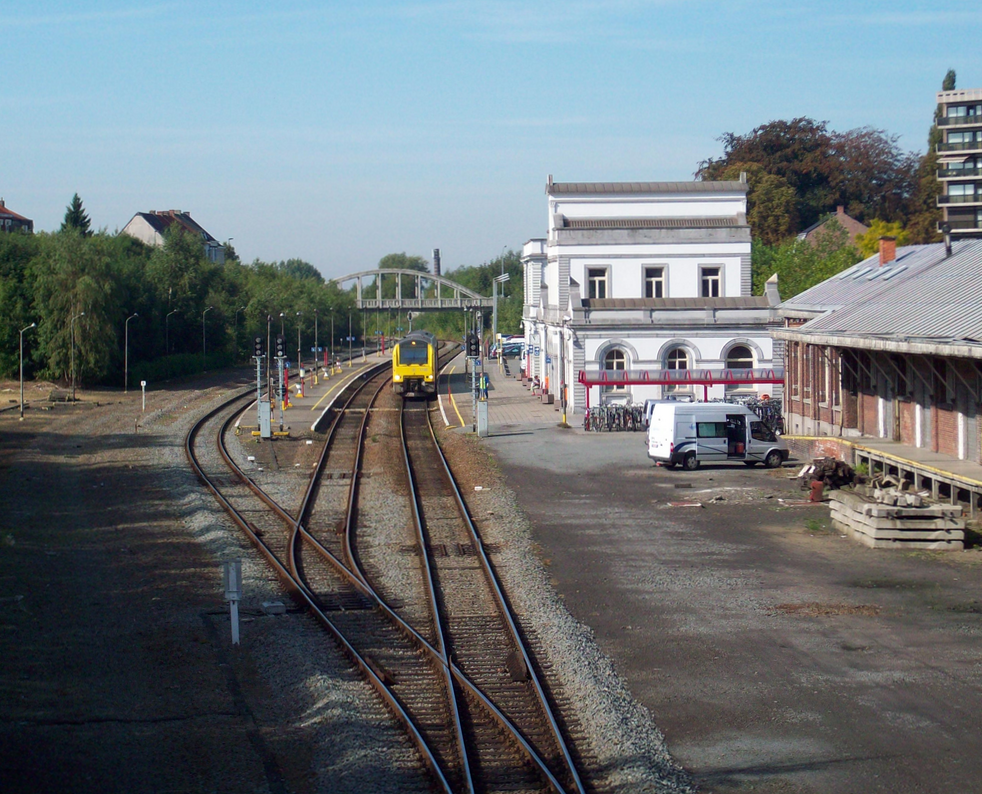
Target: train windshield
x,y
412,353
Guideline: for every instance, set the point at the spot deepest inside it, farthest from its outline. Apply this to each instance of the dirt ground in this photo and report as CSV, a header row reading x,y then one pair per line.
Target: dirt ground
x,y
774,654
113,677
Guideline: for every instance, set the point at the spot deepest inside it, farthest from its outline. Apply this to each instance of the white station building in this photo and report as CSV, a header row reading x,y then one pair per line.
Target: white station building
x,y
642,290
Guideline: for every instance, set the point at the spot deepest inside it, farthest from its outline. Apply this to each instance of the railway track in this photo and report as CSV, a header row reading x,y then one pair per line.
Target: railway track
x,y
431,632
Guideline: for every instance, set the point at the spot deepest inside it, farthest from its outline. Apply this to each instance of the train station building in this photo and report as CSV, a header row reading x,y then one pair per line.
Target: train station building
x,y
642,290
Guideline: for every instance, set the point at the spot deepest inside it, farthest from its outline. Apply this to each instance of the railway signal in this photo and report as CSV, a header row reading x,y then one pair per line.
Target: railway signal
x,y
473,346
280,346
258,347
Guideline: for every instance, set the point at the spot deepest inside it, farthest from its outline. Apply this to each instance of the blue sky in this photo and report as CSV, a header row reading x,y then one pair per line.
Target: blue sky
x,y
340,132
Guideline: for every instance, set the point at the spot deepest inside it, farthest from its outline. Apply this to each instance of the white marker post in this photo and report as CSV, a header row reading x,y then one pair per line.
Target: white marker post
x,y
143,385
232,577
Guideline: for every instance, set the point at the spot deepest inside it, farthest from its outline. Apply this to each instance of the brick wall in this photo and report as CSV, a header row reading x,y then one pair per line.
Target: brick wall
x,y
946,425
908,428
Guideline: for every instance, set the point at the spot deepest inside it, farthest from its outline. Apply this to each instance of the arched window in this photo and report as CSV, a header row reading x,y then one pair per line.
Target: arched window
x,y
739,357
615,361
676,358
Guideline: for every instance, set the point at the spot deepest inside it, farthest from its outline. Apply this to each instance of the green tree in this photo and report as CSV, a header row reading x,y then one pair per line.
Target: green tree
x,y
869,243
74,274
948,84
16,296
76,217
800,264
863,170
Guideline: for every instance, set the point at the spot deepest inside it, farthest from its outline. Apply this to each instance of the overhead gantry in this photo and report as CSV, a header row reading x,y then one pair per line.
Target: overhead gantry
x,y
411,290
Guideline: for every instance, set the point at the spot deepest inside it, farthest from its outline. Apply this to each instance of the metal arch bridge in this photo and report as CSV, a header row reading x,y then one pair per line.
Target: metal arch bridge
x,y
431,292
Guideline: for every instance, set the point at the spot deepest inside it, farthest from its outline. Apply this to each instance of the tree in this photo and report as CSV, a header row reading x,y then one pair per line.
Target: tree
x,y
801,264
862,169
948,84
76,218
869,243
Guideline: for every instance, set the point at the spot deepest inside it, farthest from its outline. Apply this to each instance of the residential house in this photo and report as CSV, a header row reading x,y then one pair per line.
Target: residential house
x,y
10,221
149,228
853,227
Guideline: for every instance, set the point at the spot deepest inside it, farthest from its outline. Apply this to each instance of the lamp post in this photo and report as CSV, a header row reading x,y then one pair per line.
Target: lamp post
x,y
316,348
269,355
299,357
28,328
71,327
494,311
126,352
204,363
562,372
167,330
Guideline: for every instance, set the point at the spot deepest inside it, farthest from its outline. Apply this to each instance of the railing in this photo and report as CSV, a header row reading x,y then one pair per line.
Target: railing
x,y
956,121
956,173
964,226
972,198
960,147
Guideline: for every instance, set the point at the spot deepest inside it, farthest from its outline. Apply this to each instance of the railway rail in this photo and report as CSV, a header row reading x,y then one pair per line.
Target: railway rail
x,y
443,650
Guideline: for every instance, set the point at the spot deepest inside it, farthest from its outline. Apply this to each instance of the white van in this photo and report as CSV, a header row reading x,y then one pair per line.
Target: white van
x,y
689,433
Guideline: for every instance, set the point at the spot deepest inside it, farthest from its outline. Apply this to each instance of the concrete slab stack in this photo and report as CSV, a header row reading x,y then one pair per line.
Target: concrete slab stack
x,y
884,526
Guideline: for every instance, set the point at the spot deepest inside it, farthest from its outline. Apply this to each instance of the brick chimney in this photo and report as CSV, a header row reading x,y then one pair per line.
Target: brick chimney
x,y
888,250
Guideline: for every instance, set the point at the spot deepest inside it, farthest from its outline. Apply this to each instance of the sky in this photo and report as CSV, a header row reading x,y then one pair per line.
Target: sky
x,y
338,133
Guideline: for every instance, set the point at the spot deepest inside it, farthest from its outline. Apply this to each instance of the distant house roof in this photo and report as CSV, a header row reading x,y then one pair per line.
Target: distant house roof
x,y
853,227
11,220
149,228
923,298
161,220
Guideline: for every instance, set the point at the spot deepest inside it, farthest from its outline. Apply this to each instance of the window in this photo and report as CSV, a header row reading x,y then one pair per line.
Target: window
x,y
710,429
711,282
739,357
676,359
615,361
654,282
596,280
902,382
760,432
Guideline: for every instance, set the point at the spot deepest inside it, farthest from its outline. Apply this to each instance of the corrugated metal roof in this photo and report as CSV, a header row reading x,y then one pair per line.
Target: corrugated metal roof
x,y
593,188
936,298
863,281
653,223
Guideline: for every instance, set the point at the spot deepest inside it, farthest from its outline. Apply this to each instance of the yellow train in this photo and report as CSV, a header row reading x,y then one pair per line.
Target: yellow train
x,y
414,365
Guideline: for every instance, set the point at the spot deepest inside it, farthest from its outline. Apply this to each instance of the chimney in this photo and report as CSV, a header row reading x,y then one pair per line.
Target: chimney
x,y
945,230
2,205
888,250
436,261
840,210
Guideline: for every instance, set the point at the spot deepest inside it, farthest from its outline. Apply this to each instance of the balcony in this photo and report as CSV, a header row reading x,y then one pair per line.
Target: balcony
x,y
972,146
959,173
962,226
971,198
959,121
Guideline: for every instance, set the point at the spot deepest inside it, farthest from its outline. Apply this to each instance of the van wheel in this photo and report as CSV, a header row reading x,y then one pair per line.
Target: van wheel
x,y
690,462
773,459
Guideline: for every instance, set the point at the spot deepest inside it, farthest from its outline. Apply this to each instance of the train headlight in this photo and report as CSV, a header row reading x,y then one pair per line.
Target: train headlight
x,y
397,378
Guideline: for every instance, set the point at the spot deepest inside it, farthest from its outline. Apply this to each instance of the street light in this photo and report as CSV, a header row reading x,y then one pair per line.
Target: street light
x,y
71,327
316,348
167,330
299,357
494,322
32,325
126,352
204,363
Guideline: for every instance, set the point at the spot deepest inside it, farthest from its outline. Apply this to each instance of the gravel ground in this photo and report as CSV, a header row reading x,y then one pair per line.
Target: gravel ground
x,y
119,673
